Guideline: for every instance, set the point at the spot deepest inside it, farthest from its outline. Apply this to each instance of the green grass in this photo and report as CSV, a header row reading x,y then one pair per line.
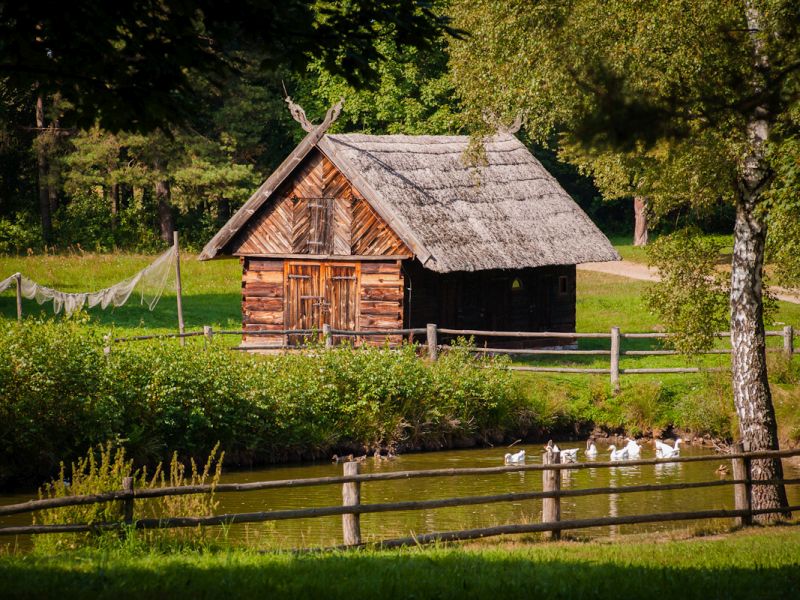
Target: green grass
x,y
211,291
624,245
211,296
748,564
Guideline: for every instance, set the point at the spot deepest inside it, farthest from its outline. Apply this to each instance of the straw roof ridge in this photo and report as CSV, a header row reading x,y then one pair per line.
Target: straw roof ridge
x,y
509,213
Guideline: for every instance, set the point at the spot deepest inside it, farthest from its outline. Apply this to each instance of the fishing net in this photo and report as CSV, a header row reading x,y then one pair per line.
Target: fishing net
x,y
8,282
150,282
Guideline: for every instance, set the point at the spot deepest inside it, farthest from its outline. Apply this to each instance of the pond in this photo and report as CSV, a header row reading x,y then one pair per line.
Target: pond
x,y
326,531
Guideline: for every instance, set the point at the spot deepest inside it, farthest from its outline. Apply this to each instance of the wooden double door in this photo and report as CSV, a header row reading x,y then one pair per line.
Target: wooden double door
x,y
319,293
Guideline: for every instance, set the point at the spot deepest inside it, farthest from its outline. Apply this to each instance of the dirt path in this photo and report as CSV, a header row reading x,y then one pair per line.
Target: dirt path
x,y
634,270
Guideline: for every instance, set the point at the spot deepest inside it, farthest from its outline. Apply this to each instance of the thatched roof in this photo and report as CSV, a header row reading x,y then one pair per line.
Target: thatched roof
x,y
509,214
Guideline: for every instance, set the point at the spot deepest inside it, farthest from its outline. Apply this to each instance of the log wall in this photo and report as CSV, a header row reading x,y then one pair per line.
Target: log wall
x,y
263,299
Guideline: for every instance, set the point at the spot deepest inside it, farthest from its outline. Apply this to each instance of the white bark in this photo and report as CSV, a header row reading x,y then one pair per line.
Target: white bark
x,y
751,392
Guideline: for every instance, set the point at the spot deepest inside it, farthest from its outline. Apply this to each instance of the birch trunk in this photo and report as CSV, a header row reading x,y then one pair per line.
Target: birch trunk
x,y
751,393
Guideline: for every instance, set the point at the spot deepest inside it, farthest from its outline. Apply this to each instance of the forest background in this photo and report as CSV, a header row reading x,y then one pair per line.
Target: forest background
x,y
67,185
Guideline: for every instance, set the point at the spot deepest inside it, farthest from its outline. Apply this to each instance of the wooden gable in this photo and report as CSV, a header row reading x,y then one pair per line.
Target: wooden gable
x,y
317,212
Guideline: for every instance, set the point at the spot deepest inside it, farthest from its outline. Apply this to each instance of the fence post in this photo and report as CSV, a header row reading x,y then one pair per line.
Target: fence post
x,y
615,359
18,278
327,336
108,340
433,342
208,335
788,341
741,491
351,496
127,503
178,287
551,482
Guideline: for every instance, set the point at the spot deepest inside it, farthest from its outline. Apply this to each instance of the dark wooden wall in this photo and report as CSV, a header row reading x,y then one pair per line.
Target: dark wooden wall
x,y
543,299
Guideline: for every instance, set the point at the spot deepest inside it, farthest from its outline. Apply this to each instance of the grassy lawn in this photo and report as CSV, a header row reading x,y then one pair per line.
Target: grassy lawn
x,y
624,245
747,564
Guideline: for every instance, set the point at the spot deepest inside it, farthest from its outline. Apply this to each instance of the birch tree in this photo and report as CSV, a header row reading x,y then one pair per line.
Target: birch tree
x,y
699,96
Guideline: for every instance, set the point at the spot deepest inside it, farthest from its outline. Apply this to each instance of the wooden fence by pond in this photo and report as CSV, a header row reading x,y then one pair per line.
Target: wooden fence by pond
x,y
351,507
433,337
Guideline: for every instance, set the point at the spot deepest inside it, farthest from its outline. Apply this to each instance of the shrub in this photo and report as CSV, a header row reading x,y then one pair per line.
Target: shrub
x,y
59,394
102,470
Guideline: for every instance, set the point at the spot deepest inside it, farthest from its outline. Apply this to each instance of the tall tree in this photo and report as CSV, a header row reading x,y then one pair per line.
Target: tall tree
x,y
133,65
695,94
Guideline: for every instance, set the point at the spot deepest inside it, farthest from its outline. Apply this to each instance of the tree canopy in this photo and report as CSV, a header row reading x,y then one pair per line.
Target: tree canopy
x,y
686,103
133,65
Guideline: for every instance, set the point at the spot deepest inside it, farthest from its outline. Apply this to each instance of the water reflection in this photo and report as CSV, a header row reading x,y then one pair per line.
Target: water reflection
x,y
327,531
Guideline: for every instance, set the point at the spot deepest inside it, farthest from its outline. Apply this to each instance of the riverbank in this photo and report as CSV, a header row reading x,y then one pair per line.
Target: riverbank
x,y
755,563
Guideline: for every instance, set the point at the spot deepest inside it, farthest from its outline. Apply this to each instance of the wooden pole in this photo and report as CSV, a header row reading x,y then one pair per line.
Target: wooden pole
x,y
615,359
433,343
208,335
327,336
178,288
551,482
127,503
788,341
18,278
741,491
351,496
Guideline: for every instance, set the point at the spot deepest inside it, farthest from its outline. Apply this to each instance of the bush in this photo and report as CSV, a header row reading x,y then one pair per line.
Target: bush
x,y
102,470
60,394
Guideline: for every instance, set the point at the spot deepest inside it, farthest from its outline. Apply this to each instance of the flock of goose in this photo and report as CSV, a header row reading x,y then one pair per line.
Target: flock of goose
x,y
631,451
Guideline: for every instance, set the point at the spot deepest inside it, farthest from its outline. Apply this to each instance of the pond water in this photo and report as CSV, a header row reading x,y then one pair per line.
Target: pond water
x,y
326,531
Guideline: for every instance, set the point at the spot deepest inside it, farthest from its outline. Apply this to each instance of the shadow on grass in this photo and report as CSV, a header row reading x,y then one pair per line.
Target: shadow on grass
x,y
410,574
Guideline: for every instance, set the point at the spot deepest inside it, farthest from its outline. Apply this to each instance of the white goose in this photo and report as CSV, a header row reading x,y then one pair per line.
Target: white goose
x,y
591,449
621,454
666,451
568,455
634,450
516,458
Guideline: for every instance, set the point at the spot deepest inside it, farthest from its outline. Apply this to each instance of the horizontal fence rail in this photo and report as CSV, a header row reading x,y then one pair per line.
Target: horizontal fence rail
x,y
551,493
432,332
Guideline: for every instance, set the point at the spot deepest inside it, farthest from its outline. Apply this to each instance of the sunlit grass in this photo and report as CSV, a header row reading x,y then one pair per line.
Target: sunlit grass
x,y
748,564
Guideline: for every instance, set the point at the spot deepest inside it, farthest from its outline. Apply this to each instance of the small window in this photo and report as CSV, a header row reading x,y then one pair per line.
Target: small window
x,y
563,286
516,285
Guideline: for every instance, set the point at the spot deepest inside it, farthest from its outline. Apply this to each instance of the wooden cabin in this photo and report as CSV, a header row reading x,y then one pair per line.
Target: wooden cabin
x,y
381,232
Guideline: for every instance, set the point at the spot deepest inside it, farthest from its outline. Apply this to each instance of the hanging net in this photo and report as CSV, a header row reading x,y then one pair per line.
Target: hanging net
x,y
150,282
8,282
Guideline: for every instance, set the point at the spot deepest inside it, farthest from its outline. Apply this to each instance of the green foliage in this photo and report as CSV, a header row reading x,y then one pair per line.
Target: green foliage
x,y
18,235
707,407
59,394
691,298
102,470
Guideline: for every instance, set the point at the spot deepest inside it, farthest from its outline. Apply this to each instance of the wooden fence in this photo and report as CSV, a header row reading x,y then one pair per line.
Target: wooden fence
x,y
432,336
351,508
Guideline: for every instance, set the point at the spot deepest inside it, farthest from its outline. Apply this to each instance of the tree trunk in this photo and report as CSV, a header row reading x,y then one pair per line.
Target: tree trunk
x,y
223,211
640,226
41,159
751,393
114,206
165,221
